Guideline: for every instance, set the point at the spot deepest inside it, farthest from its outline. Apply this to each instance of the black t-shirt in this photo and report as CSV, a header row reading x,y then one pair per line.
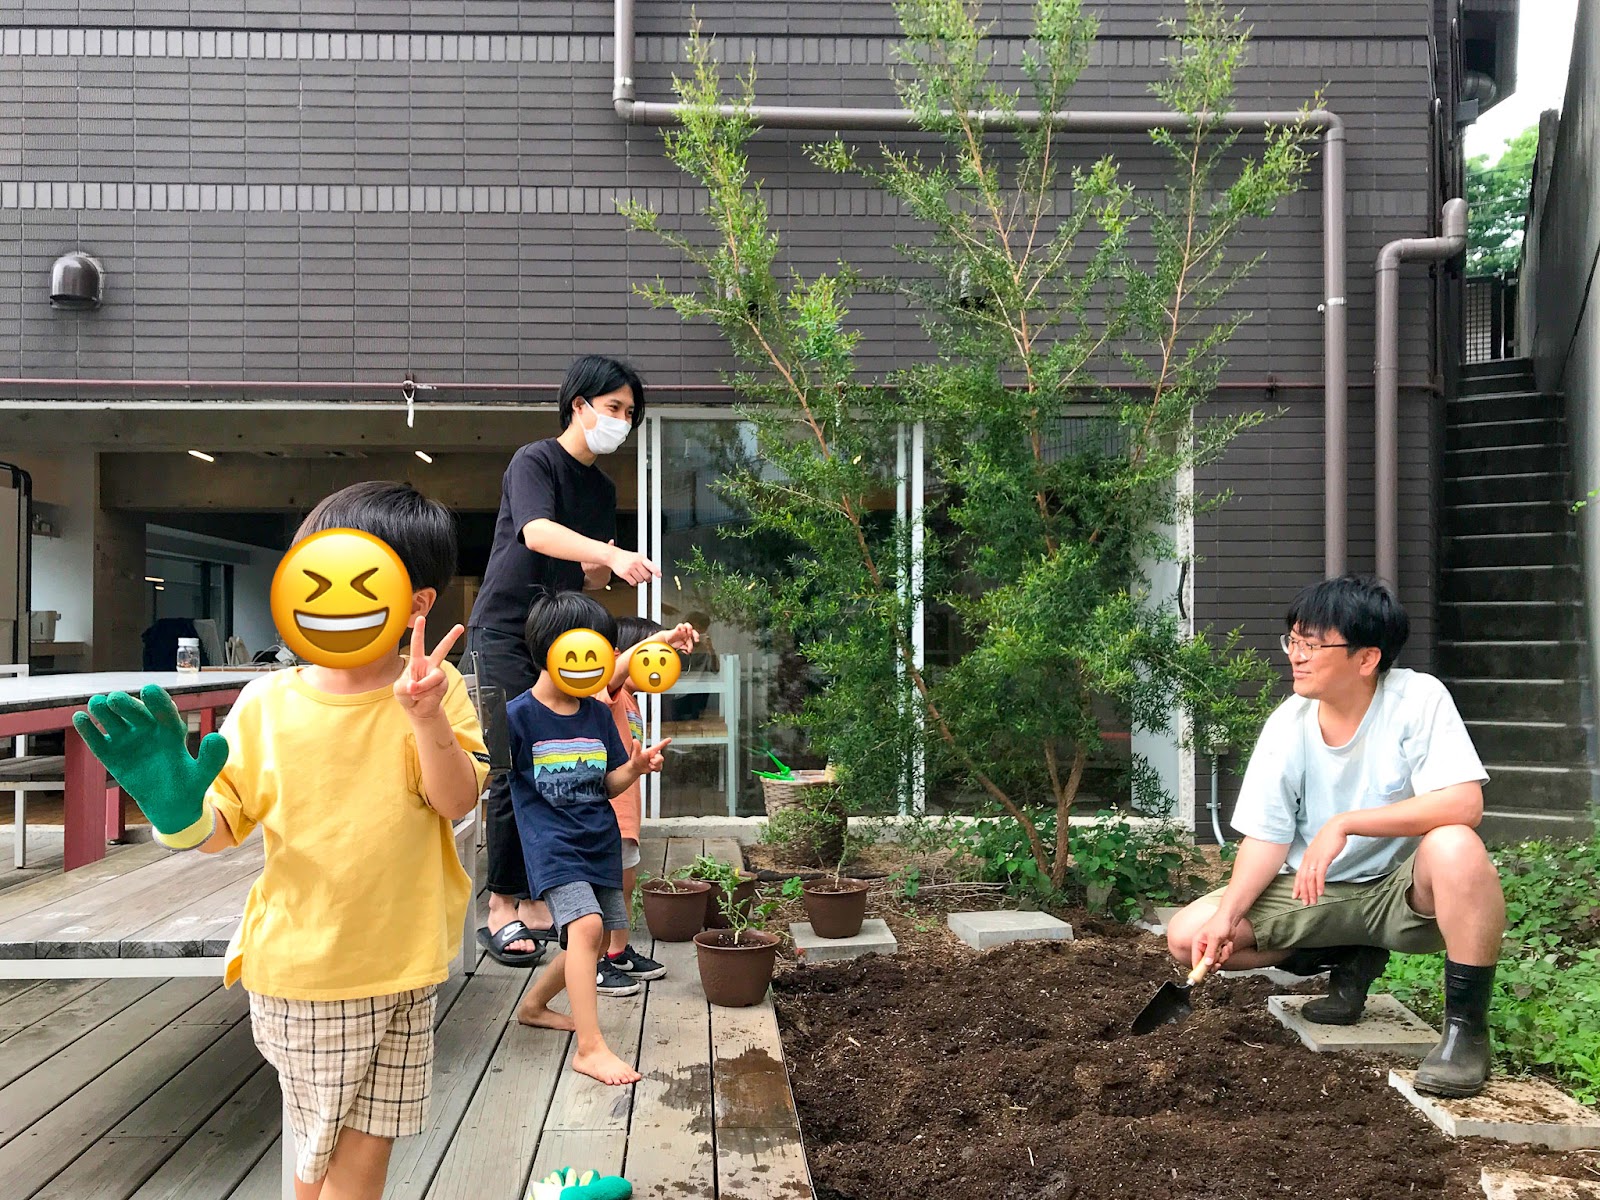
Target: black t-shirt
x,y
543,480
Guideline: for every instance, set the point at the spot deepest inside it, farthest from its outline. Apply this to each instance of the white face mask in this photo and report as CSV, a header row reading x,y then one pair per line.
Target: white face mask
x,y
608,433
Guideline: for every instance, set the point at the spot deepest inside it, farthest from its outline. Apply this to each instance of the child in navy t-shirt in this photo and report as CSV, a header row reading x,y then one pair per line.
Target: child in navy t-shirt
x,y
567,762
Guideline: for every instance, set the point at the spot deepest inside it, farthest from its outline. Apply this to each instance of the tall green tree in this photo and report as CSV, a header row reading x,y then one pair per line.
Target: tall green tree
x,y
1076,326
1497,196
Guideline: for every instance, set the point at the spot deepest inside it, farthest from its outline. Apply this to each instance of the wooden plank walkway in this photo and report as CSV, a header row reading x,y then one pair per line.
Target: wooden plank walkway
x,y
150,1089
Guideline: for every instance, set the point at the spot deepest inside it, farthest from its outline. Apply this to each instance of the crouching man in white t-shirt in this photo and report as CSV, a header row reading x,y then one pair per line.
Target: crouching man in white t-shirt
x,y
1358,812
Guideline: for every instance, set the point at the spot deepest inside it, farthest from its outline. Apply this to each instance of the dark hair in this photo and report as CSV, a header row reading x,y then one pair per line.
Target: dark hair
x,y
421,531
1361,609
555,613
633,630
596,375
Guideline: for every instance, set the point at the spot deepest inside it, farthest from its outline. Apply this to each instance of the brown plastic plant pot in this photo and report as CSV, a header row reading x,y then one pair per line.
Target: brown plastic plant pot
x,y
736,975
836,907
675,909
744,896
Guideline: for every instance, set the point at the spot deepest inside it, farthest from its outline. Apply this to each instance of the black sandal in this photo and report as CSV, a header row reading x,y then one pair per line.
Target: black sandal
x,y
512,931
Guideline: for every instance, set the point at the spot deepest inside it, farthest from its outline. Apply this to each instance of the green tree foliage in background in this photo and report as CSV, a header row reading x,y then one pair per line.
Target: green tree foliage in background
x,y
1497,197
1076,325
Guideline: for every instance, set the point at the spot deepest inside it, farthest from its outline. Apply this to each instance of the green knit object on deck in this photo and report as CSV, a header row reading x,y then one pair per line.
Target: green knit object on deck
x,y
571,1184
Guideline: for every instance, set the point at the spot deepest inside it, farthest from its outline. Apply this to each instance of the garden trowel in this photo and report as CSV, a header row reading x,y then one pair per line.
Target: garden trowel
x,y
1171,1002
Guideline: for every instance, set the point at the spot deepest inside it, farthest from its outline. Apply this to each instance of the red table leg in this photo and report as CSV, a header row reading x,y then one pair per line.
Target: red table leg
x,y
85,815
208,721
116,828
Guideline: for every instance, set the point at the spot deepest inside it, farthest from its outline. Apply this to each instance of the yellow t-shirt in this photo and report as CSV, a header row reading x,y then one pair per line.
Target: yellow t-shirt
x,y
363,893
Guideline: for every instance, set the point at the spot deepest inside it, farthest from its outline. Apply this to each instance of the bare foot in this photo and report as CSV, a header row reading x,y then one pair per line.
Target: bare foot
x,y
535,914
606,1067
544,1018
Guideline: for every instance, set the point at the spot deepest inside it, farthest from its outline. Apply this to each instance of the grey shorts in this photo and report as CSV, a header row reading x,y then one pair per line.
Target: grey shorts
x,y
569,901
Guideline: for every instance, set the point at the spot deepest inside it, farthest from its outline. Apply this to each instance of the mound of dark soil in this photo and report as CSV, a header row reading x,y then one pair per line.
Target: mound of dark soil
x,y
1012,1076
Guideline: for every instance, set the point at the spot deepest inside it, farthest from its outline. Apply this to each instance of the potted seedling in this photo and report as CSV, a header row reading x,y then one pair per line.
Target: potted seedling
x,y
736,962
674,909
724,879
835,903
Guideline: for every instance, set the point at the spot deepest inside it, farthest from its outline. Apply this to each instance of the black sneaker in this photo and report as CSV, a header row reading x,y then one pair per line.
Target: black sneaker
x,y
608,981
635,965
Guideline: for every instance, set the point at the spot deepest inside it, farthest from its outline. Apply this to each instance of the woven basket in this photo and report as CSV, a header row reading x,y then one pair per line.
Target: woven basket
x,y
781,794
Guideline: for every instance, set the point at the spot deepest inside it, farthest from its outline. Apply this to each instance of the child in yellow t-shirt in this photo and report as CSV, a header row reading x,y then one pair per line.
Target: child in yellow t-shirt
x,y
354,777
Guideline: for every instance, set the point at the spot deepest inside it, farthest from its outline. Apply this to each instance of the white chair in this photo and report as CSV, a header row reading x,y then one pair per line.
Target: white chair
x,y
23,773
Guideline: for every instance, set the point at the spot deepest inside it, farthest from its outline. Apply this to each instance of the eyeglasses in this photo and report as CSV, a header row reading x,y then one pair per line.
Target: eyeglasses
x,y
1290,644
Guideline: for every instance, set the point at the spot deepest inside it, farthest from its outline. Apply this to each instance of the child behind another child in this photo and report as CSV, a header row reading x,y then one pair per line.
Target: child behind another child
x,y
632,632
568,760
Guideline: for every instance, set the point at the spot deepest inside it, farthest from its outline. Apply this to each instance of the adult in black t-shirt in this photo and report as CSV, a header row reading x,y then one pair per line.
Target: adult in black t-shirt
x,y
556,532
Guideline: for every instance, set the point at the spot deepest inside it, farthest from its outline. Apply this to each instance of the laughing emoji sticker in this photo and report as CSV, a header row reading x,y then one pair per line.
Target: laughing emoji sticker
x,y
341,598
580,662
655,667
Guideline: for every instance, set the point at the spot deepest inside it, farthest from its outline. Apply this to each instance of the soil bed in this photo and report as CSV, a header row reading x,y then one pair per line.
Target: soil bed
x,y
1011,1076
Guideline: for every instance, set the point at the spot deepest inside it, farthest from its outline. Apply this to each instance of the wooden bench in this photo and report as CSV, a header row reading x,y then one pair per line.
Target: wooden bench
x,y
147,912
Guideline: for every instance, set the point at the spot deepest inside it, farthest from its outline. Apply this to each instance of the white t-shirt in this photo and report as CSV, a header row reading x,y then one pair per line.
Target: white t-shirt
x,y
1411,741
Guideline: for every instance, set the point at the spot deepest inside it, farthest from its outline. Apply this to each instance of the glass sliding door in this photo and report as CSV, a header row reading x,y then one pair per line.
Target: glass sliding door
x,y
728,710
739,678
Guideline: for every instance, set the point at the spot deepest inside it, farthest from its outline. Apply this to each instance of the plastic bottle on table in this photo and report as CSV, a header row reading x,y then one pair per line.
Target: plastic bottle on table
x,y
188,656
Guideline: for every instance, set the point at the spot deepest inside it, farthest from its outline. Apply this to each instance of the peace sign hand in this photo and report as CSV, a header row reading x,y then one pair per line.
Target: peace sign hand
x,y
422,685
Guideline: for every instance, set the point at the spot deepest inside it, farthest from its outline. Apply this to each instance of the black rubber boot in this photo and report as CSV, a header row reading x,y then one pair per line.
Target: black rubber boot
x,y
1354,969
1311,962
1459,1064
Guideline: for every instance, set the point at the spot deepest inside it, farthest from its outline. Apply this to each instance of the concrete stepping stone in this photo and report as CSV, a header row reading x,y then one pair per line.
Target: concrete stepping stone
x,y
1386,1027
1274,975
1519,1185
874,938
1524,1111
986,930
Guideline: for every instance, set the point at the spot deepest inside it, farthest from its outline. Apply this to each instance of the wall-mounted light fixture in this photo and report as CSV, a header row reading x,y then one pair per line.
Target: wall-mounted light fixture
x,y
77,282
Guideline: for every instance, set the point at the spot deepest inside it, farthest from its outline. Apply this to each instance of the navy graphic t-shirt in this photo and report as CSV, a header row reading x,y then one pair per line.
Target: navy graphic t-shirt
x,y
558,789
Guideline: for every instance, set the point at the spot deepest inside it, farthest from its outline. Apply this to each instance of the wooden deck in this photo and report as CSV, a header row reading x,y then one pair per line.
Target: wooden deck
x,y
145,1088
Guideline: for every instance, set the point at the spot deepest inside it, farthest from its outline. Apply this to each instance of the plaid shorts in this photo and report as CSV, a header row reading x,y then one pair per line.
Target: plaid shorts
x,y
362,1064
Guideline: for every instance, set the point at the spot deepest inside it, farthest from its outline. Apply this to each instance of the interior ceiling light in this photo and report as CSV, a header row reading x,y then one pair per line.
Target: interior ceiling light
x,y
424,456
202,456
154,579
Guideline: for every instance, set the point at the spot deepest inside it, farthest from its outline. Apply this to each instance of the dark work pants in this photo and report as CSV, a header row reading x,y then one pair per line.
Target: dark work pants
x,y
503,662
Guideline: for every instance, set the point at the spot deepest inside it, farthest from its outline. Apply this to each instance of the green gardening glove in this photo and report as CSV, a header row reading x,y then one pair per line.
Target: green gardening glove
x,y
570,1184
144,744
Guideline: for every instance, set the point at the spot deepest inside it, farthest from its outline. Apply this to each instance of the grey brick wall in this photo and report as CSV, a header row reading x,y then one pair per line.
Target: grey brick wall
x,y
352,188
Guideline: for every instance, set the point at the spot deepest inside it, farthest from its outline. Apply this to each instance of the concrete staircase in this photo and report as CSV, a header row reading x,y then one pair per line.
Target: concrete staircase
x,y
1511,632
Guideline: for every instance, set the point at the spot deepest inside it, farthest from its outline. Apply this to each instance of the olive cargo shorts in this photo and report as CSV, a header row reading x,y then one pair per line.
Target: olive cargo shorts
x,y
1373,913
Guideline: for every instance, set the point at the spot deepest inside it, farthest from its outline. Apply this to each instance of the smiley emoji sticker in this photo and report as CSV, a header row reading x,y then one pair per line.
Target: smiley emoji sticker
x,y
655,667
341,598
580,662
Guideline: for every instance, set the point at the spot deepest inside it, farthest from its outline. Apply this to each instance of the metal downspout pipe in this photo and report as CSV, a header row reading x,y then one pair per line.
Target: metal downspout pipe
x,y
1335,389
1386,376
